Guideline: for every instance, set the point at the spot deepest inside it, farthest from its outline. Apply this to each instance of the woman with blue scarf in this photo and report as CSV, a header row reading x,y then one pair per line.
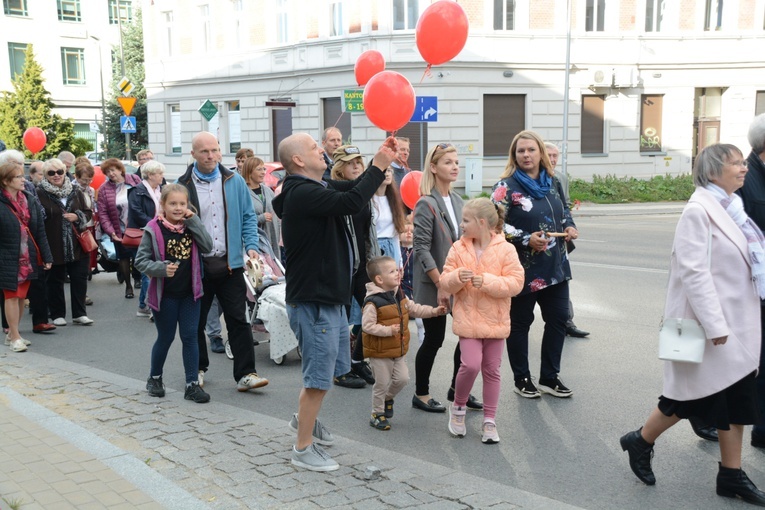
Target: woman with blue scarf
x,y
538,223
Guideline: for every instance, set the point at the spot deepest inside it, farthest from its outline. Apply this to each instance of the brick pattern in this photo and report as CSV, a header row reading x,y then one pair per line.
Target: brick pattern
x,y
542,14
688,14
475,11
746,19
627,14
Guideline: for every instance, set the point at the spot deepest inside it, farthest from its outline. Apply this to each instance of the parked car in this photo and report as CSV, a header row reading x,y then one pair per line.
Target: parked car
x,y
275,173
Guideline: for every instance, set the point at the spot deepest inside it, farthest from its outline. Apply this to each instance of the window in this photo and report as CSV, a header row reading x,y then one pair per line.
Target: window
x,y
654,13
73,66
174,111
650,123
15,7
504,116
204,29
405,14
69,10
595,15
332,110
282,27
281,128
336,19
504,14
759,104
17,57
234,126
167,17
713,15
120,11
417,132
593,124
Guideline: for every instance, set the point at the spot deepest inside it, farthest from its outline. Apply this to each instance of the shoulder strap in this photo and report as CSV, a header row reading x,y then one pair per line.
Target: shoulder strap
x,y
29,233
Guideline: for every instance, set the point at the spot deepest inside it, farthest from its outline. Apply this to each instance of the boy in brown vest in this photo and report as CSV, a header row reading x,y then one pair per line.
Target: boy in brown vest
x,y
385,333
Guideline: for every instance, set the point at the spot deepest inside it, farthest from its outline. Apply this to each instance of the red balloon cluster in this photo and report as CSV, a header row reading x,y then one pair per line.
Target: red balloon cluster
x,y
98,178
34,139
441,32
389,100
367,65
410,188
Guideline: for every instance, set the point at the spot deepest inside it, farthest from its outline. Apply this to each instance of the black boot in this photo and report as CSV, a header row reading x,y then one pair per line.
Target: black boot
x,y
734,482
124,270
703,430
640,452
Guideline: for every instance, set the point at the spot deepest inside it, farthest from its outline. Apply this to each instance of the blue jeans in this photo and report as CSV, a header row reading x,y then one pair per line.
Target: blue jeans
x,y
390,247
144,291
184,314
212,326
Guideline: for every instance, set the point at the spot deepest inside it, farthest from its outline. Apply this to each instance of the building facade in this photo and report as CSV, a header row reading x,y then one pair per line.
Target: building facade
x,y
74,41
650,81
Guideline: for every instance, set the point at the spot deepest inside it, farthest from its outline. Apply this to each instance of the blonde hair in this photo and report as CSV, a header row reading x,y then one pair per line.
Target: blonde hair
x,y
512,163
484,209
375,265
428,181
337,169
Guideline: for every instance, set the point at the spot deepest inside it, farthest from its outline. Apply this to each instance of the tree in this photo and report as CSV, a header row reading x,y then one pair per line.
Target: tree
x,y
30,105
132,46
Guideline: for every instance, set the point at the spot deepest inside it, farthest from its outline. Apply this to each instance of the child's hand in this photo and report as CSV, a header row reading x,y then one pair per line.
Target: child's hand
x,y
395,329
441,310
170,269
188,214
477,281
465,275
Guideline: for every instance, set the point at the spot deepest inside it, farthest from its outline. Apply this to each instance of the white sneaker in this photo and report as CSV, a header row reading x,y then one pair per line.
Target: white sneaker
x,y
314,458
201,378
457,421
320,433
251,381
18,345
59,321
8,340
82,321
489,433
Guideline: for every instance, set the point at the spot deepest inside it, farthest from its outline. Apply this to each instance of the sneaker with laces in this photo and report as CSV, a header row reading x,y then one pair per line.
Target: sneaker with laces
x,y
18,345
197,394
201,378
554,387
313,458
155,386
389,408
489,433
379,421
320,433
83,320
525,388
362,370
350,380
457,421
250,382
143,312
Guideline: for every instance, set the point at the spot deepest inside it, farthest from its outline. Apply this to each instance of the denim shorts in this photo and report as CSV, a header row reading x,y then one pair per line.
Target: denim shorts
x,y
323,337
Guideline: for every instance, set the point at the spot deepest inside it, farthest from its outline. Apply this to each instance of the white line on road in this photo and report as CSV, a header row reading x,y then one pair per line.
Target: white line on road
x,y
620,268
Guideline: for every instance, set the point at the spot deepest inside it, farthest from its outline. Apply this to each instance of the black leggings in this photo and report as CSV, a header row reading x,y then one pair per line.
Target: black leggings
x,y
359,293
435,331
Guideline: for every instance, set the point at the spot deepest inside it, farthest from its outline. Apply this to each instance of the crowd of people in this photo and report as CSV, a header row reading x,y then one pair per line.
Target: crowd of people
x,y
488,262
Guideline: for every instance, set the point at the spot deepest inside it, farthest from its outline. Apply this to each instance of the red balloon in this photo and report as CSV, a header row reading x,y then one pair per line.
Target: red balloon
x,y
98,178
389,100
34,139
410,188
441,32
368,64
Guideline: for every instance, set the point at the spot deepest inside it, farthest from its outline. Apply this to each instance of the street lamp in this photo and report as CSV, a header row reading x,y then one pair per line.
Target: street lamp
x,y
103,101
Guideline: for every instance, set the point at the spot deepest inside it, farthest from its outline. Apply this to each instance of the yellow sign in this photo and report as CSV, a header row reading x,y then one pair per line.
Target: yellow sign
x,y
353,100
125,86
127,104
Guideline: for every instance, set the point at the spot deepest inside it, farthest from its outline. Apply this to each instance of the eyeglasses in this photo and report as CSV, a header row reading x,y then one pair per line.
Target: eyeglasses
x,y
51,173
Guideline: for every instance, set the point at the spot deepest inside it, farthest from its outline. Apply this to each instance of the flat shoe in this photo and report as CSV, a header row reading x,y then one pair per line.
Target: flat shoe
x,y
129,294
432,406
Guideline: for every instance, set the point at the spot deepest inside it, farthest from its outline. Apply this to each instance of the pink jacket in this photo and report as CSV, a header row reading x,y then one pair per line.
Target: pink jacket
x,y
484,312
721,297
108,215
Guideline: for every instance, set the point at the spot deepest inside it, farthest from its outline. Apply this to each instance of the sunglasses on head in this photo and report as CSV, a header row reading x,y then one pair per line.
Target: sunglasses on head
x,y
444,146
51,173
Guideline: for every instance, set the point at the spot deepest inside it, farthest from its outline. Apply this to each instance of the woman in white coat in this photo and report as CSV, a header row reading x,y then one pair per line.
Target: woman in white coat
x,y
723,295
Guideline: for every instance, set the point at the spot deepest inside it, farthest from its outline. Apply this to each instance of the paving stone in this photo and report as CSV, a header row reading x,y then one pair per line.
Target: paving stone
x,y
302,491
331,500
480,500
399,500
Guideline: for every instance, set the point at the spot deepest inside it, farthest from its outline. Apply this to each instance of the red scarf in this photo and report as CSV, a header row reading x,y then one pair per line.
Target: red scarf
x,y
20,208
20,205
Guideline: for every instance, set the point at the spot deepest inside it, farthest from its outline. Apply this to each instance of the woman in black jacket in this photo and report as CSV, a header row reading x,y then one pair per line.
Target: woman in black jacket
x,y
66,212
23,246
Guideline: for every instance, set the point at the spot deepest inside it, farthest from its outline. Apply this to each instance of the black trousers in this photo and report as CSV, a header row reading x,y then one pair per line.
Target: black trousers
x,y
38,298
78,287
553,301
231,292
435,330
359,293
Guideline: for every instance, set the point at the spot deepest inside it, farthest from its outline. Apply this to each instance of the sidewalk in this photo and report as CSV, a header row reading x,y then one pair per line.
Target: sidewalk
x,y
76,437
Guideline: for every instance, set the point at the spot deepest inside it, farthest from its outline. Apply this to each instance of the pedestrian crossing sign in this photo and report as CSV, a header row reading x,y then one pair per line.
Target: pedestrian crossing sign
x,y
127,124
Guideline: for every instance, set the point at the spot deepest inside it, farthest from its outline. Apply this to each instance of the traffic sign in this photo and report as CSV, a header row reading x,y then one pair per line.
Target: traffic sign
x,y
208,110
126,86
94,127
127,104
426,109
127,124
353,100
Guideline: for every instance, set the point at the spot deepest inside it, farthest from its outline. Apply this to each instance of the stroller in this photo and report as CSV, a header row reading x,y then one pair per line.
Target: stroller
x,y
266,289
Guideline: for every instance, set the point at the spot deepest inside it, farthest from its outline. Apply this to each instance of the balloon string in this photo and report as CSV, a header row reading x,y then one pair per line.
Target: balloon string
x,y
426,73
338,119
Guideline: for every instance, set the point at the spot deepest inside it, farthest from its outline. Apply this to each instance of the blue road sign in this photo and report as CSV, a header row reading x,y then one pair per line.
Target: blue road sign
x,y
127,124
426,109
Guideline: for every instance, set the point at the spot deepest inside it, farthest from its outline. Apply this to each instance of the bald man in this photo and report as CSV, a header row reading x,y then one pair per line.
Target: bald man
x,y
321,257
225,208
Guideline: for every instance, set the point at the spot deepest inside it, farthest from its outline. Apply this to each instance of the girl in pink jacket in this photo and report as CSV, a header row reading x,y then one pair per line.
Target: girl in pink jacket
x,y
483,272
